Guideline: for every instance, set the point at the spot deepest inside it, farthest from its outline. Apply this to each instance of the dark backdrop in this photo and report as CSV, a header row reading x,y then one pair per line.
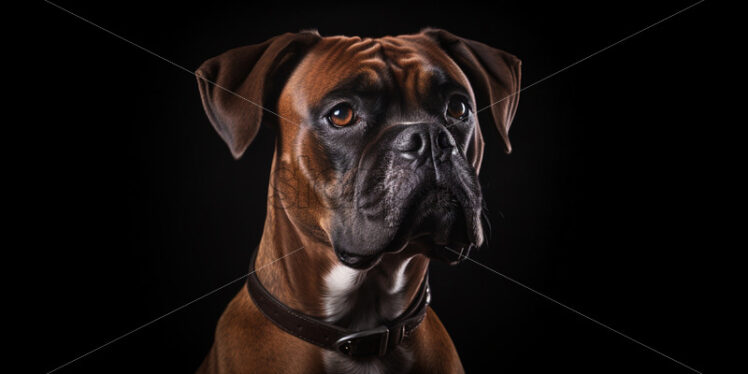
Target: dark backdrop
x,y
136,206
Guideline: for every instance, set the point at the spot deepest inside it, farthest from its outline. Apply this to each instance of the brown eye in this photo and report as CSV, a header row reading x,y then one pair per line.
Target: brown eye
x,y
457,108
341,115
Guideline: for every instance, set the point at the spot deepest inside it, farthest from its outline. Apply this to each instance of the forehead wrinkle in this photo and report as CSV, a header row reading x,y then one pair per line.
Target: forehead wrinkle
x,y
370,63
365,46
346,57
410,70
443,60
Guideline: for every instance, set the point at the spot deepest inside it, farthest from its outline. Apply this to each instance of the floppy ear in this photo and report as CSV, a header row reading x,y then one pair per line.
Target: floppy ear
x,y
493,73
237,86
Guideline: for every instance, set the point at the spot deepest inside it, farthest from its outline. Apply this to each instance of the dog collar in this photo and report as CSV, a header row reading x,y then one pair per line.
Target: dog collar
x,y
355,343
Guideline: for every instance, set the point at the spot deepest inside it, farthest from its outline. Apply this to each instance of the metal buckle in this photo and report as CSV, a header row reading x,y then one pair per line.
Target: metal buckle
x,y
345,344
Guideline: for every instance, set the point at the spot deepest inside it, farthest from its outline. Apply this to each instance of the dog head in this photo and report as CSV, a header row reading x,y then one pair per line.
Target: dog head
x,y
379,144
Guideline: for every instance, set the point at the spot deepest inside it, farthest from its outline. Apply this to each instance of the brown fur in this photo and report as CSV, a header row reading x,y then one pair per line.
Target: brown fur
x,y
297,216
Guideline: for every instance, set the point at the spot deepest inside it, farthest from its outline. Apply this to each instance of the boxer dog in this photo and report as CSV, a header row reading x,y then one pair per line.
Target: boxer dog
x,y
375,173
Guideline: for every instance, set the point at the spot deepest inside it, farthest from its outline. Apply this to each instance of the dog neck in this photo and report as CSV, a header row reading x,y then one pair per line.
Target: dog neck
x,y
311,280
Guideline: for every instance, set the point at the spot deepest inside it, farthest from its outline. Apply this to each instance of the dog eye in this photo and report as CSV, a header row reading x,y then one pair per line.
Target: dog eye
x,y
457,108
341,115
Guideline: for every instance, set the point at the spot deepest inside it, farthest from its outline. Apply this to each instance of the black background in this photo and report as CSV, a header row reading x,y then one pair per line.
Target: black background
x,y
606,204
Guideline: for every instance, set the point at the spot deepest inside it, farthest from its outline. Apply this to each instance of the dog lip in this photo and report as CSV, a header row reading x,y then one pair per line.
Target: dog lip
x,y
474,229
464,229
359,262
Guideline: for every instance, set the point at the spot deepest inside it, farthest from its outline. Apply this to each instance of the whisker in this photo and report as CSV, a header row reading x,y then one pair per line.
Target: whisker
x,y
485,218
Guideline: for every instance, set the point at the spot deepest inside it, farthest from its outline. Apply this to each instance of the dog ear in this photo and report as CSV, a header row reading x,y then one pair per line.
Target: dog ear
x,y
493,74
238,86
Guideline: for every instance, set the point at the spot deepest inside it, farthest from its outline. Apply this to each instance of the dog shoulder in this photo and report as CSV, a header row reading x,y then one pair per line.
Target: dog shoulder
x,y
433,348
247,342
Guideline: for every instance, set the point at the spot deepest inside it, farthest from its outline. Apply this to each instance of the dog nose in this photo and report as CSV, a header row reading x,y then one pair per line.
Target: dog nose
x,y
424,140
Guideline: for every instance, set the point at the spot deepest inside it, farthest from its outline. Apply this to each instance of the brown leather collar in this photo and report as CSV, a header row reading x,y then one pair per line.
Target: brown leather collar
x,y
356,343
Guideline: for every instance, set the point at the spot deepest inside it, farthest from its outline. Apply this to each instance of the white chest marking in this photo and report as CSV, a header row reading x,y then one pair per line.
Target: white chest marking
x,y
339,284
399,282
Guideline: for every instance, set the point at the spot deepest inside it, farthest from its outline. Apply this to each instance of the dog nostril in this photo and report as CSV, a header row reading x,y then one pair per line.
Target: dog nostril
x,y
444,140
413,145
416,142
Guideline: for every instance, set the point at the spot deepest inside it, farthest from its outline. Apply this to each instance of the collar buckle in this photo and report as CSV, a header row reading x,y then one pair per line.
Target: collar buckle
x,y
372,341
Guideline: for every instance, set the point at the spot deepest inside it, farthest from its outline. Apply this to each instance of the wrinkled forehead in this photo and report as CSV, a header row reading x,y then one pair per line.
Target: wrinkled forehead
x,y
410,65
